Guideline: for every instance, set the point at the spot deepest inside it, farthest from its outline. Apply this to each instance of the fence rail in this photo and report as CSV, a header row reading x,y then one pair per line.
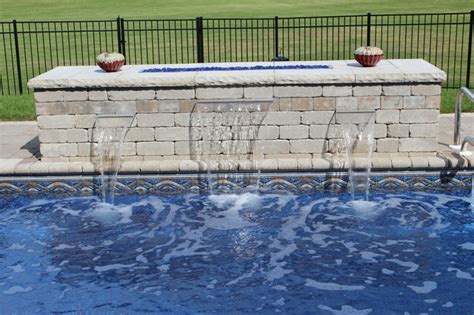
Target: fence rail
x,y
28,48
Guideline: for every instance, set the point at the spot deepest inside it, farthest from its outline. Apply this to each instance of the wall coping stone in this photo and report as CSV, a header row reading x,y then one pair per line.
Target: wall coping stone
x,y
399,71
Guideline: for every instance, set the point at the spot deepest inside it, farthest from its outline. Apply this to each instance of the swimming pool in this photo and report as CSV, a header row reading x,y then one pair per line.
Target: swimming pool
x,y
314,252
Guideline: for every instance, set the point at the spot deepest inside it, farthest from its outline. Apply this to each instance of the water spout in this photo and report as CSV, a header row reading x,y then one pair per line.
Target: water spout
x,y
359,142
111,131
228,146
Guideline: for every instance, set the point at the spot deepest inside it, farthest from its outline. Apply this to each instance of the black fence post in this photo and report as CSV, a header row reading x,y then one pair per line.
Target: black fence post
x,y
469,50
122,38
200,40
119,36
275,37
17,54
369,26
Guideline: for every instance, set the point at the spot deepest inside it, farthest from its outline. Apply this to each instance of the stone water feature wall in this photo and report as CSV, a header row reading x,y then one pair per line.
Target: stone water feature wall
x,y
300,114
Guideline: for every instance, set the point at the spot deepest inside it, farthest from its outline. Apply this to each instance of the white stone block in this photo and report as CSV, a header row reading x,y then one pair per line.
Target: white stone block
x,y
418,145
334,90
346,103
140,134
367,90
219,93
424,130
267,165
414,102
172,134
324,103
391,102
78,107
419,162
387,145
130,95
368,102
318,131
236,119
105,108
320,164
147,106
186,148
426,89
308,146
86,149
128,149
58,149
419,116
281,118
77,135
317,117
396,90
49,96
387,116
271,147
268,132
169,166
56,122
433,102
125,107
155,120
75,96
258,92
297,91
304,164
355,117
155,148
398,131
52,135
183,119
287,164
380,131
169,106
302,103
294,132
175,94
188,166
402,162
97,95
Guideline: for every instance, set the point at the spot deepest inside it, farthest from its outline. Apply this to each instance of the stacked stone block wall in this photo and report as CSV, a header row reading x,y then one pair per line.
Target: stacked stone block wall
x,y
298,121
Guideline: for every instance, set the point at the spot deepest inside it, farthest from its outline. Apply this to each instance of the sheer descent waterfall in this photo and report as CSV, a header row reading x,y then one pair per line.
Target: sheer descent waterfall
x,y
358,140
111,130
226,134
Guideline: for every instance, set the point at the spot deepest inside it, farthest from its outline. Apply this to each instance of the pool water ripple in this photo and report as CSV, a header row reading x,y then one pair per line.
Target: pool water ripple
x,y
186,254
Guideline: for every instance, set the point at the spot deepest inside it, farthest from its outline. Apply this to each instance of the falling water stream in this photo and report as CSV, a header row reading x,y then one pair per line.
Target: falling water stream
x,y
229,146
111,130
359,137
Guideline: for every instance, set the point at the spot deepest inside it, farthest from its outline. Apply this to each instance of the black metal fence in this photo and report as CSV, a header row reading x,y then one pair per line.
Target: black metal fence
x,y
30,48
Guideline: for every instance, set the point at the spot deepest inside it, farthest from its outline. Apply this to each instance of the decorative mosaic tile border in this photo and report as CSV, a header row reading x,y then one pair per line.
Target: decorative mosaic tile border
x,y
275,182
237,68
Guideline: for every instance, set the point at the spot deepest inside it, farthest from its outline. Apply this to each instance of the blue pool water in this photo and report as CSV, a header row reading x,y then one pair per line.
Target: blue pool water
x,y
409,253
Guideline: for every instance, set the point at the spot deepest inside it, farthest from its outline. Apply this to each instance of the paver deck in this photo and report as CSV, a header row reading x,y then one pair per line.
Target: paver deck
x,y
19,154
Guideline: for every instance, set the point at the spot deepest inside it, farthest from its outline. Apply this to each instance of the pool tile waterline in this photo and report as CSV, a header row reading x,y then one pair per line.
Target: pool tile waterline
x,y
281,182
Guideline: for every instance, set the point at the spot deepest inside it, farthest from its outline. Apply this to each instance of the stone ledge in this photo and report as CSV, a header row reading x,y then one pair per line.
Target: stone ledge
x,y
342,72
327,163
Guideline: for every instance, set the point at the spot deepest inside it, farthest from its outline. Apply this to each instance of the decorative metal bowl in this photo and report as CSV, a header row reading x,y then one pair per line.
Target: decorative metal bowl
x,y
110,62
368,56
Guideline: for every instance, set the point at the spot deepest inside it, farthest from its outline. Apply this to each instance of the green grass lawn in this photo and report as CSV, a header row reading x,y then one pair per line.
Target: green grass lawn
x,y
107,9
23,107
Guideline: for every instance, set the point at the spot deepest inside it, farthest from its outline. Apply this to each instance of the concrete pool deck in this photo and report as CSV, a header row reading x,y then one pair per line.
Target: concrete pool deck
x,y
19,155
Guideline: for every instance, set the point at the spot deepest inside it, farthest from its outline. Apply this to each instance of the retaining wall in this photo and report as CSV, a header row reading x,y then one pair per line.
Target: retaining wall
x,y
293,114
